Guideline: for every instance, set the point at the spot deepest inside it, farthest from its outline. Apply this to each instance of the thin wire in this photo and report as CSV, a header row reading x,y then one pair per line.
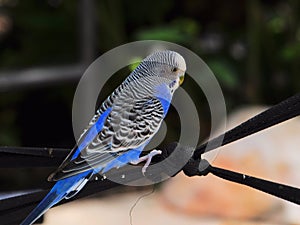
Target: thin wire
x,y
137,201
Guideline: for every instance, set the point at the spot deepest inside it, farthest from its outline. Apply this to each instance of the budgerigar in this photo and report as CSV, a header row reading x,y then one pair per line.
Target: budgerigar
x,y
121,128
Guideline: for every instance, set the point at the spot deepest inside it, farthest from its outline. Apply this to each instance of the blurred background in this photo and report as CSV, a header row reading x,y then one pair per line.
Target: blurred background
x,y
253,48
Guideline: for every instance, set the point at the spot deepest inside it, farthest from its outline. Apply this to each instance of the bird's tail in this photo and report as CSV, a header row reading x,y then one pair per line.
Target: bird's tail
x,y
65,188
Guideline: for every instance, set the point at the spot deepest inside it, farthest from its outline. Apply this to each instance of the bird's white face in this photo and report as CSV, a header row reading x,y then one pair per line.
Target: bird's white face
x,y
175,72
169,66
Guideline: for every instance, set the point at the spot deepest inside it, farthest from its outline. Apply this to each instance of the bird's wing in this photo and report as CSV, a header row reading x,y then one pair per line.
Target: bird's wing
x,y
128,124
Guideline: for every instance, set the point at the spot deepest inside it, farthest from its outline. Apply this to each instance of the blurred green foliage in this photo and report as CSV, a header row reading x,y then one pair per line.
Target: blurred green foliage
x,y
134,63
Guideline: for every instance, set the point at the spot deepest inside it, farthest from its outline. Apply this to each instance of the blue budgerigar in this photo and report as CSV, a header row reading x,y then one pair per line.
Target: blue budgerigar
x,y
121,128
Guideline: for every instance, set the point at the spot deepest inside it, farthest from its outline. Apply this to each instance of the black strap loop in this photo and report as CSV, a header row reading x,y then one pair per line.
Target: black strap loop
x,y
283,111
282,191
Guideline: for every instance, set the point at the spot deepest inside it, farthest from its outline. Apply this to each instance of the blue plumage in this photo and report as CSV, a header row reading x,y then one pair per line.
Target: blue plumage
x,y
124,124
59,191
92,133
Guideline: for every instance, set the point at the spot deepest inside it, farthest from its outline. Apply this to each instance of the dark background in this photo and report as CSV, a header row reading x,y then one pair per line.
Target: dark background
x,y
253,48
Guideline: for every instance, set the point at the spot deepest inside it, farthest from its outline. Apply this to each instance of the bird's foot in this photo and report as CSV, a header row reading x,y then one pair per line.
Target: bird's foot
x,y
146,158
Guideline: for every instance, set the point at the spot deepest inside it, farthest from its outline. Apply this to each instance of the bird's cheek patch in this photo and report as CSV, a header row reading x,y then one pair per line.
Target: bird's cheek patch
x,y
172,84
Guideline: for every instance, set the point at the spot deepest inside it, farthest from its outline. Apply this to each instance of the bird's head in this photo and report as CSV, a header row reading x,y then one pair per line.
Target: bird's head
x,y
168,65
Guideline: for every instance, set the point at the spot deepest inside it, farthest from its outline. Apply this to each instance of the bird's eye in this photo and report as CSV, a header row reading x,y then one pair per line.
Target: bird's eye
x,y
174,69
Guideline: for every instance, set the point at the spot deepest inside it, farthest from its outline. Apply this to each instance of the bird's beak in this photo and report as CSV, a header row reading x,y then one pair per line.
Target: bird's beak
x,y
181,79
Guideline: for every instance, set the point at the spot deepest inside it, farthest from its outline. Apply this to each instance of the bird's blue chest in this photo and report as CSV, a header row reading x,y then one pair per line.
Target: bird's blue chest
x,y
164,95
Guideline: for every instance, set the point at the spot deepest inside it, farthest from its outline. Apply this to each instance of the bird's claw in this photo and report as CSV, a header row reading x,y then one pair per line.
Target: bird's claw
x,y
148,159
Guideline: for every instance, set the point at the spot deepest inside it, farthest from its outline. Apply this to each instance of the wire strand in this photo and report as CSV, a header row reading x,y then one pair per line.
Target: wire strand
x,y
138,200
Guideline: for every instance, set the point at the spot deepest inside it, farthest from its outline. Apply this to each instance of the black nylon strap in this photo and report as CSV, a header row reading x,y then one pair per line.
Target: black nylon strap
x,y
282,191
22,157
283,111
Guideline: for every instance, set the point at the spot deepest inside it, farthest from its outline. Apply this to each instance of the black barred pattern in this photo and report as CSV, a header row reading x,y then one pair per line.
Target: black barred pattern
x,y
135,117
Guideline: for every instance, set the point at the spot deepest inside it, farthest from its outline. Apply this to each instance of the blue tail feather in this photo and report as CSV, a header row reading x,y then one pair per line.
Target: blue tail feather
x,y
59,191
